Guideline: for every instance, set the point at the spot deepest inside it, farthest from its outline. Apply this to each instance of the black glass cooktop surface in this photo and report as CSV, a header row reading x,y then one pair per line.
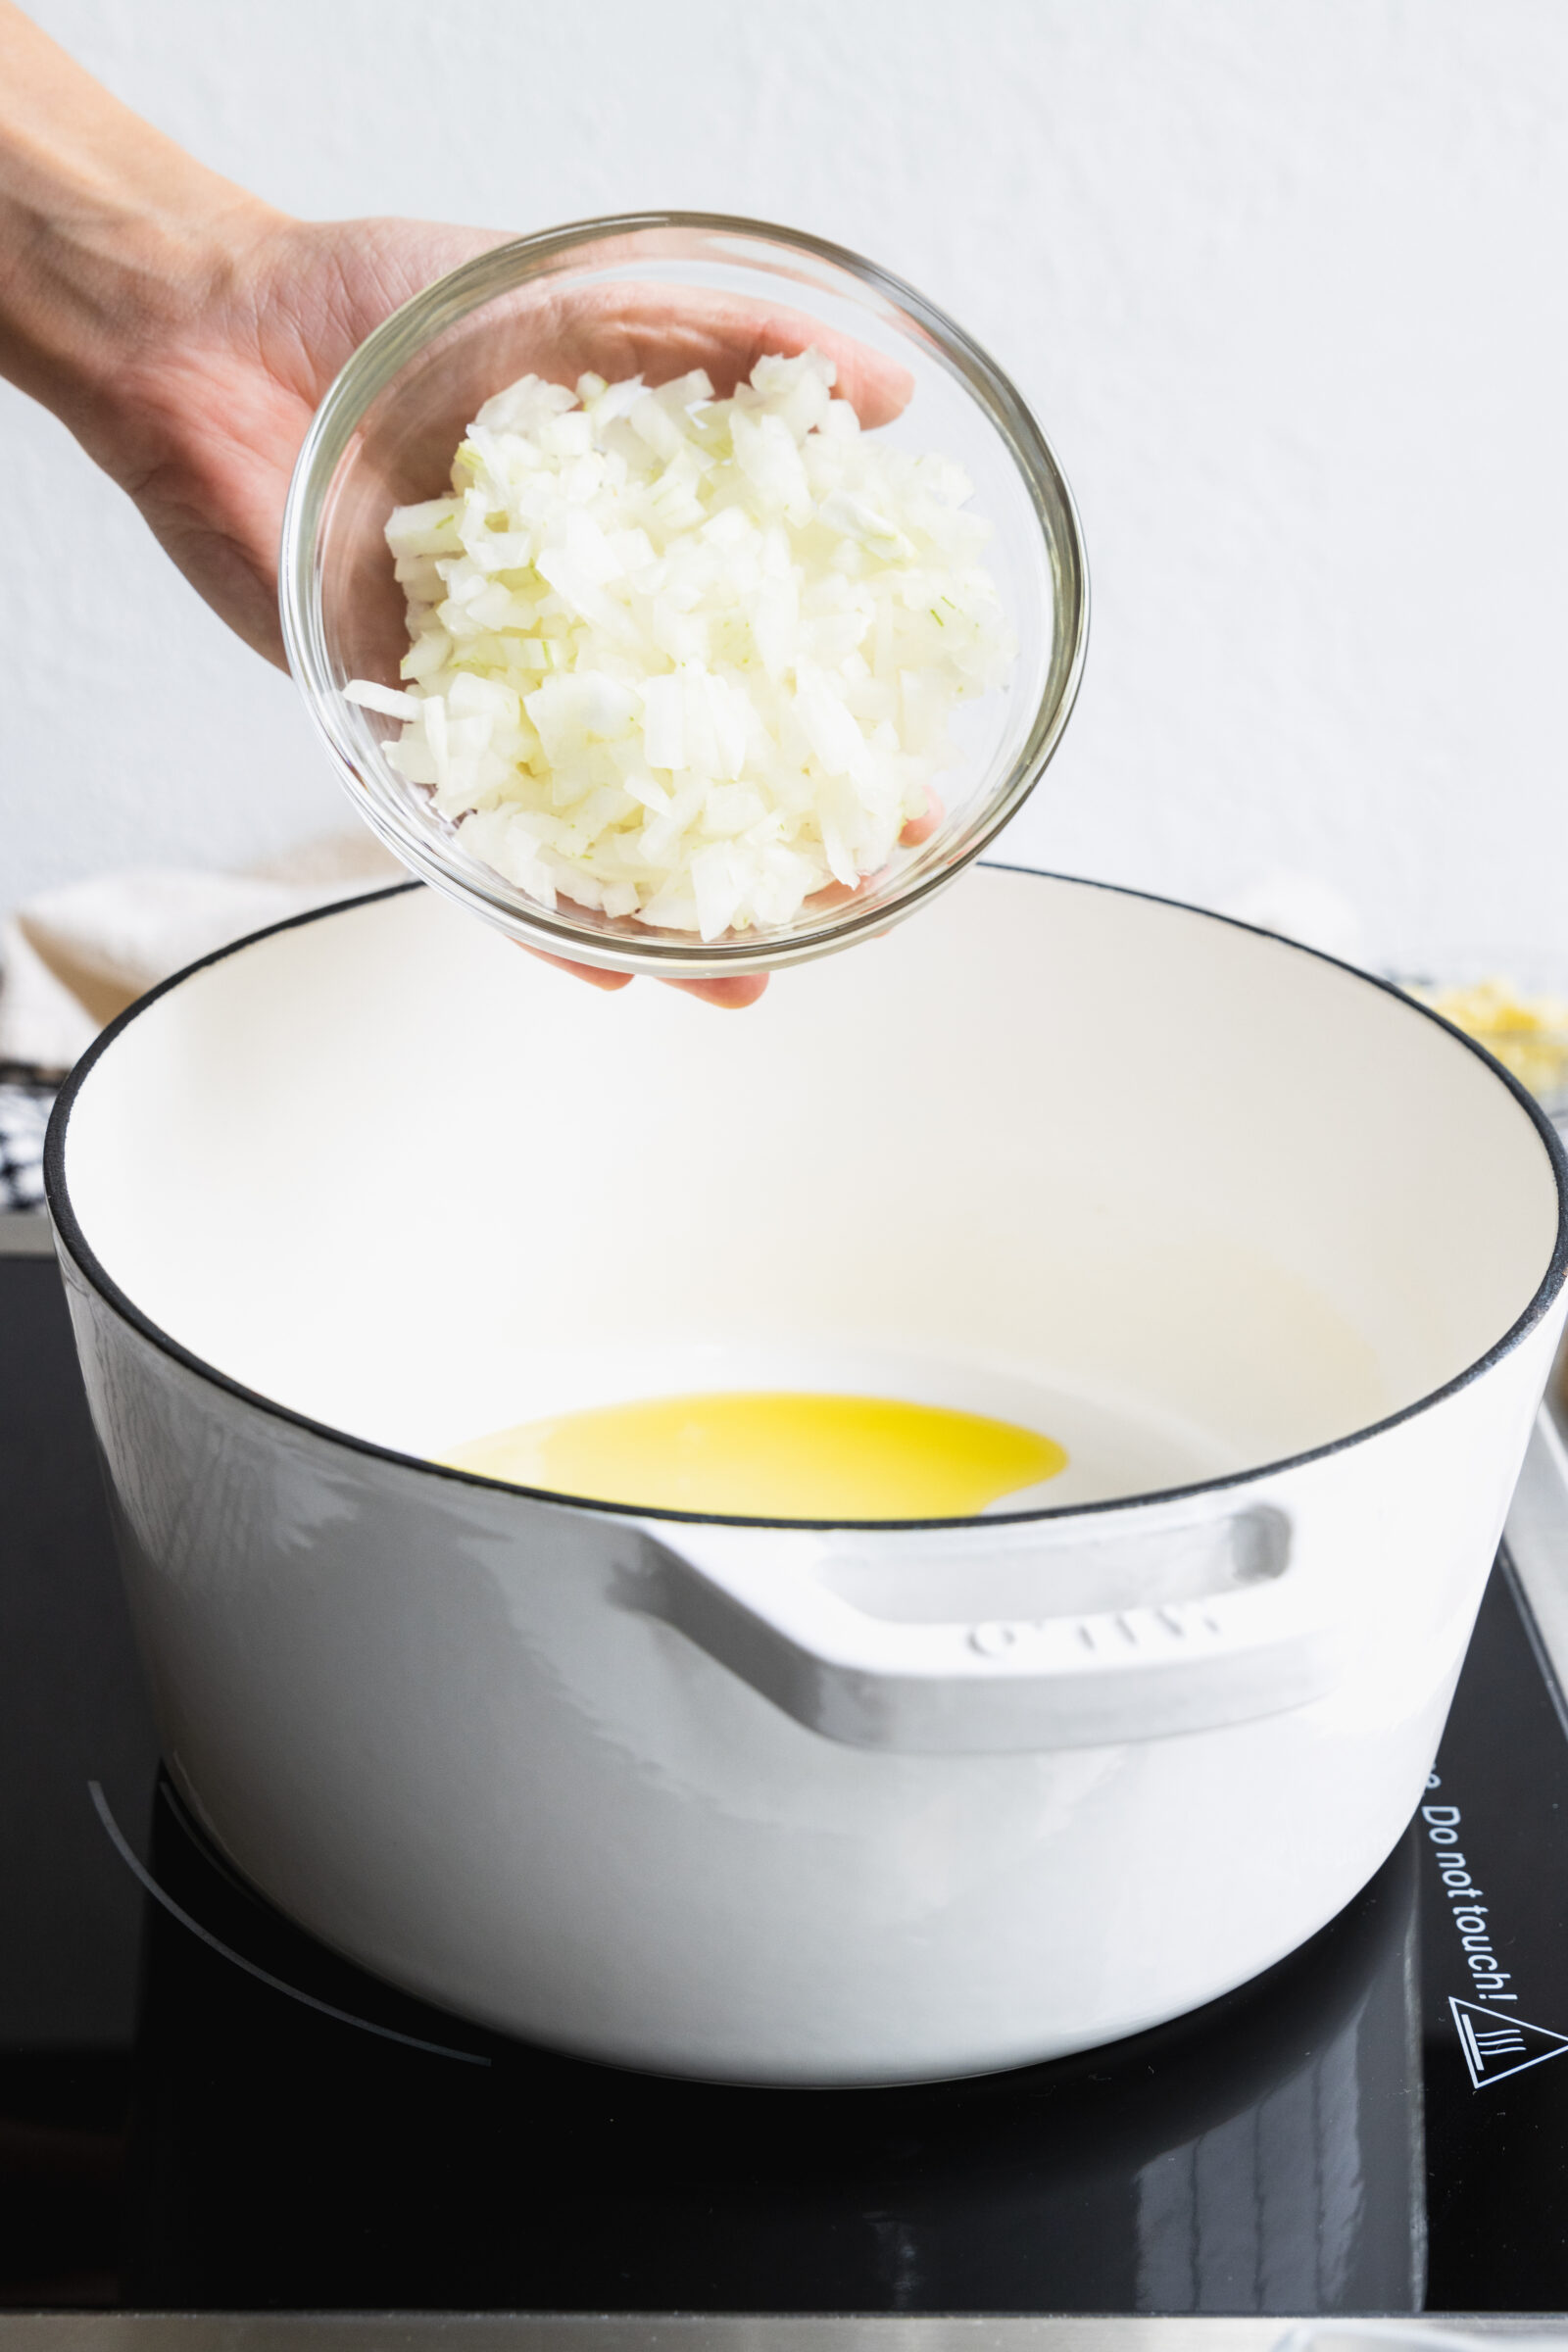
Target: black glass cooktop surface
x,y
200,2108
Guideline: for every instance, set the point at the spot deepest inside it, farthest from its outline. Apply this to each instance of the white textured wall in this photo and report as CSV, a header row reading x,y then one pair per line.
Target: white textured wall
x,y
1286,284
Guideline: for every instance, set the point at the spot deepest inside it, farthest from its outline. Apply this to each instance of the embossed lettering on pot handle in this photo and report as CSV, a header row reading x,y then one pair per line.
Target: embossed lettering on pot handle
x,y
1228,1624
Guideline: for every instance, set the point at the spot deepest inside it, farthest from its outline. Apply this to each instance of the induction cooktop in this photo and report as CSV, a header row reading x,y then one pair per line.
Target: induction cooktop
x,y
202,2110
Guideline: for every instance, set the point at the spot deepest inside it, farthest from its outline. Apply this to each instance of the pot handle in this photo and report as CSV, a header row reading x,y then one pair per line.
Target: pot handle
x,y
1245,1632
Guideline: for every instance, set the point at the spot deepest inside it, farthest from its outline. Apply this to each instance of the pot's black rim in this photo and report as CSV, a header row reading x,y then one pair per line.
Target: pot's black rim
x,y
71,1236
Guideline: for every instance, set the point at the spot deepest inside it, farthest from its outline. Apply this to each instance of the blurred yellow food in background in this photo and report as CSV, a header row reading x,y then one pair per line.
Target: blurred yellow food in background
x,y
1527,1034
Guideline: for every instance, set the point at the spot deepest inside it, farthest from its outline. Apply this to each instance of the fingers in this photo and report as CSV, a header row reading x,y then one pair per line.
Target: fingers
x,y
730,995
633,327
664,331
595,974
922,828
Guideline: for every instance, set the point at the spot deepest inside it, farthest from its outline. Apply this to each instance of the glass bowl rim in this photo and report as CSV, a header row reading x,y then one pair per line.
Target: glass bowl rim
x,y
504,268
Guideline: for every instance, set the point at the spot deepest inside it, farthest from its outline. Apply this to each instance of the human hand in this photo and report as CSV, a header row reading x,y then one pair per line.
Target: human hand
x,y
203,413
205,430
186,333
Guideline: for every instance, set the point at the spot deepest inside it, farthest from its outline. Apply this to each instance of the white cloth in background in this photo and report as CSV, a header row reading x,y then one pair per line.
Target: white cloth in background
x,y
74,958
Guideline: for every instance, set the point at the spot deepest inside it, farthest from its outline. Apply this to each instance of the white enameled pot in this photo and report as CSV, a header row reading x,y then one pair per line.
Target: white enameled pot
x,y
1275,1253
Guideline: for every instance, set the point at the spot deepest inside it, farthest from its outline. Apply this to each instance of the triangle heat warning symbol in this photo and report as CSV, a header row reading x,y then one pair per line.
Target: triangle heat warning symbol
x,y
1495,2044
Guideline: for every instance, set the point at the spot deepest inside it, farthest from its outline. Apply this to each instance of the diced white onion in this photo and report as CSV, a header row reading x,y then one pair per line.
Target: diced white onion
x,y
687,660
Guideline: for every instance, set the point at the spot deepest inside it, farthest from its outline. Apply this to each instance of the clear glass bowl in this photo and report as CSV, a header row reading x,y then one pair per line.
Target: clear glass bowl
x,y
386,433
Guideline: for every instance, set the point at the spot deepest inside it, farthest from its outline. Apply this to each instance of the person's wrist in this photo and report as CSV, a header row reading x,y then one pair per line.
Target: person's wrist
x,y
143,277
120,295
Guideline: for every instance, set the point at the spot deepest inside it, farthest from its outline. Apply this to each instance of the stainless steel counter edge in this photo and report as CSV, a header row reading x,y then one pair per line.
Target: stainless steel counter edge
x,y
527,2331
1538,1538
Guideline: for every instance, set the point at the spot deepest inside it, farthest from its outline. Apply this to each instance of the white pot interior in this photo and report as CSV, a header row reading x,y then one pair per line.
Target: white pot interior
x,y
1186,1197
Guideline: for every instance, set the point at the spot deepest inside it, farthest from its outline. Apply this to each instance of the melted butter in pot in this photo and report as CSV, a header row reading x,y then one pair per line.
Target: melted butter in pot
x,y
773,1454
